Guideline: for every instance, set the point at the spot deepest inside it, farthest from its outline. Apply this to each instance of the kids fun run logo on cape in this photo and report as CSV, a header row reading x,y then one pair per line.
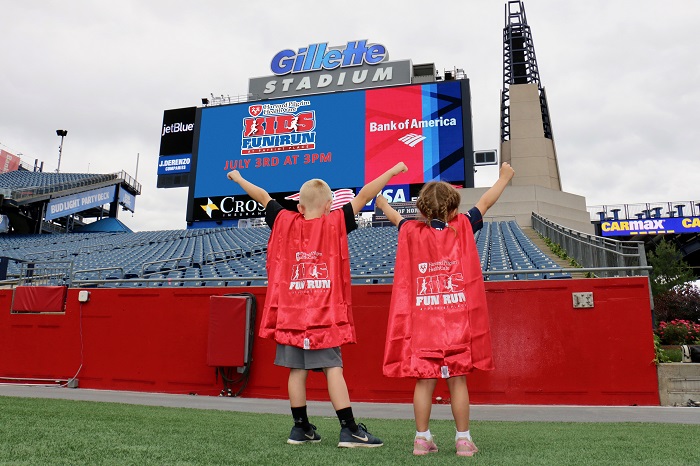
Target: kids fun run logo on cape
x,y
278,128
309,273
439,289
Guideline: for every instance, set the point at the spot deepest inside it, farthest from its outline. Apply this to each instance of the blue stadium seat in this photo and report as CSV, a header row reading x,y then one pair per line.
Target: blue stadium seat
x,y
230,255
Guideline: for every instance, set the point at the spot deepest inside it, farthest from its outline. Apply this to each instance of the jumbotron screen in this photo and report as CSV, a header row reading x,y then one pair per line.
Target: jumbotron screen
x,y
346,139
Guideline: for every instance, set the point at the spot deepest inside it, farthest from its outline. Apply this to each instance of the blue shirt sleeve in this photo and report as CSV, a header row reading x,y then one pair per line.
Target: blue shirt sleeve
x,y
474,216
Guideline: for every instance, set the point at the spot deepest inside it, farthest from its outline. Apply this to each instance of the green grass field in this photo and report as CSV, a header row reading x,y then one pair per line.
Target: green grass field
x,y
39,431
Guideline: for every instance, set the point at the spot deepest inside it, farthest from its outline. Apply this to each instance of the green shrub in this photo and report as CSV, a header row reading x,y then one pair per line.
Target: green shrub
x,y
659,351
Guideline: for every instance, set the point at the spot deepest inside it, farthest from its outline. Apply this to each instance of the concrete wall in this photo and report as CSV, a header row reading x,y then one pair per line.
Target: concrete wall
x,y
519,202
678,382
532,155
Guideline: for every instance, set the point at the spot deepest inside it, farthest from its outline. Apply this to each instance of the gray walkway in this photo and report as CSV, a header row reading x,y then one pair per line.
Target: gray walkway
x,y
556,413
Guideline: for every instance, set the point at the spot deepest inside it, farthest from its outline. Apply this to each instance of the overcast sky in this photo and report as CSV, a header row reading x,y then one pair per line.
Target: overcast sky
x,y
622,79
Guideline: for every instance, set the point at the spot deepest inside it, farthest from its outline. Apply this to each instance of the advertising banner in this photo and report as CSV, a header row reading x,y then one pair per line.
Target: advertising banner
x,y
391,73
66,205
178,131
346,139
127,199
171,164
319,68
8,162
651,226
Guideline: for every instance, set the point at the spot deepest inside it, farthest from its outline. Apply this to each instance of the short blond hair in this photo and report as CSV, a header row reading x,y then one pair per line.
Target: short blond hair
x,y
314,194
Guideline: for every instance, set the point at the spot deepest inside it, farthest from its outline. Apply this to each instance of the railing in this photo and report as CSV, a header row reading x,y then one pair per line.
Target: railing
x,y
29,192
46,273
120,280
215,100
46,255
608,256
222,256
95,248
154,265
129,181
258,249
600,213
108,276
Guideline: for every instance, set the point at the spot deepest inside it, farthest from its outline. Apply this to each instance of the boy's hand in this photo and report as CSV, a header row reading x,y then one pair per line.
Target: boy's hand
x,y
506,172
399,168
381,201
234,175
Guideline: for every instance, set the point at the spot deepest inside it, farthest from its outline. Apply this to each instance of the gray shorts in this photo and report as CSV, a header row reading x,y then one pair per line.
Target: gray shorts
x,y
297,358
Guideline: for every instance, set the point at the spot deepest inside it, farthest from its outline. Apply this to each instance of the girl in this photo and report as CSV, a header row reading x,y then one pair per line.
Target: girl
x,y
438,321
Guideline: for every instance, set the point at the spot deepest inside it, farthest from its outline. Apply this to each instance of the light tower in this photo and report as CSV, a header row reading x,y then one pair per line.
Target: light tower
x,y
527,142
62,133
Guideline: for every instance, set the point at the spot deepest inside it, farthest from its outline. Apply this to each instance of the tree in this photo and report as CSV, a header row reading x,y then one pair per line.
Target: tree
x,y
669,268
682,302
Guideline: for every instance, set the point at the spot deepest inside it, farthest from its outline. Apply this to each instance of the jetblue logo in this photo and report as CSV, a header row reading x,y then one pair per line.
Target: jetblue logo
x,y
319,57
177,128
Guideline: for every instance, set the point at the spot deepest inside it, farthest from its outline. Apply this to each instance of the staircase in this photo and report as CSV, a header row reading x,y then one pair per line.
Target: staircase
x,y
539,242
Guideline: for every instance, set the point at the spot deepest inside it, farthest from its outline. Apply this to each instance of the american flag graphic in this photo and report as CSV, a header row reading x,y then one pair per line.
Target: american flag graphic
x,y
340,197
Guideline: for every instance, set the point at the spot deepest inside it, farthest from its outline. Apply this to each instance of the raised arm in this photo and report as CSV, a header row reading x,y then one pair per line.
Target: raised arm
x,y
391,214
490,197
256,192
371,189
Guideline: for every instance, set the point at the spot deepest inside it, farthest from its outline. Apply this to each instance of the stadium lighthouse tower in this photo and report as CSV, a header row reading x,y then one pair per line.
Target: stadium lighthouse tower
x,y
527,142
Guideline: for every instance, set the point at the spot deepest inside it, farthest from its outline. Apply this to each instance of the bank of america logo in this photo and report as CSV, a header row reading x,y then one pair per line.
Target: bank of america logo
x,y
411,139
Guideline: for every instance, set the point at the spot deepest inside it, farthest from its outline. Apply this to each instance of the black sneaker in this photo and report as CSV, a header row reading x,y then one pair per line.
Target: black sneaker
x,y
361,438
299,436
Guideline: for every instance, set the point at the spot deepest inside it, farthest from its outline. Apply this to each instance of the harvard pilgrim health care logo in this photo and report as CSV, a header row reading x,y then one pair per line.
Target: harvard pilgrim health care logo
x,y
278,128
423,267
255,110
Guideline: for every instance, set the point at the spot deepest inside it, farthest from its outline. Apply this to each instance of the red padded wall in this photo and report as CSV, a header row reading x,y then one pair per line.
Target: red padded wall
x,y
155,340
39,299
227,331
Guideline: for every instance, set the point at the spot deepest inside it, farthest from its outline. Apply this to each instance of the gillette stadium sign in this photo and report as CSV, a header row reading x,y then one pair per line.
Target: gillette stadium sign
x,y
318,68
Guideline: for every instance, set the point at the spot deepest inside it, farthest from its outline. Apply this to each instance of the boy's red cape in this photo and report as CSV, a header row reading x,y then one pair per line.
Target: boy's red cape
x,y
308,301
438,320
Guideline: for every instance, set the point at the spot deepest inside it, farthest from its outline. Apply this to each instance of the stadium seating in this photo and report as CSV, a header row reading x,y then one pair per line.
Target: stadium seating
x,y
236,256
23,183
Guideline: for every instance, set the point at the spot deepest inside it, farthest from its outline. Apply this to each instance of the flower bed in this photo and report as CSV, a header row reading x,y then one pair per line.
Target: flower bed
x,y
678,332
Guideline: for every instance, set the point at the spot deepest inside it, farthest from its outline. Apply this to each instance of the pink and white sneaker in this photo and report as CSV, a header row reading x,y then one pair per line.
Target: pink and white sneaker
x,y
422,446
465,447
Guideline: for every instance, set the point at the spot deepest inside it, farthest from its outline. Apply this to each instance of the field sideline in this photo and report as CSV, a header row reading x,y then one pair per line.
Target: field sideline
x,y
35,429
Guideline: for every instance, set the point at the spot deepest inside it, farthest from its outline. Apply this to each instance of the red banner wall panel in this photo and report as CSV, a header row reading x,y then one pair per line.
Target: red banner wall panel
x,y
546,352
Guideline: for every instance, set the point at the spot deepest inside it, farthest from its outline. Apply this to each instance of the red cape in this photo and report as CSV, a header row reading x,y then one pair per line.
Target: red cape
x,y
438,319
308,302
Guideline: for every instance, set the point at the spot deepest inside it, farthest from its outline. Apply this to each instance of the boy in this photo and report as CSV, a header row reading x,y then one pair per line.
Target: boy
x,y
308,306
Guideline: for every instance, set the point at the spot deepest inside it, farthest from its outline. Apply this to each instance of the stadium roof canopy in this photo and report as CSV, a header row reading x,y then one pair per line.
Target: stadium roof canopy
x,y
106,225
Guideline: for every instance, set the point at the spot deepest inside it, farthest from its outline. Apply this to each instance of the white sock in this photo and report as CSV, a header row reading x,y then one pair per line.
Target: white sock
x,y
426,435
464,434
